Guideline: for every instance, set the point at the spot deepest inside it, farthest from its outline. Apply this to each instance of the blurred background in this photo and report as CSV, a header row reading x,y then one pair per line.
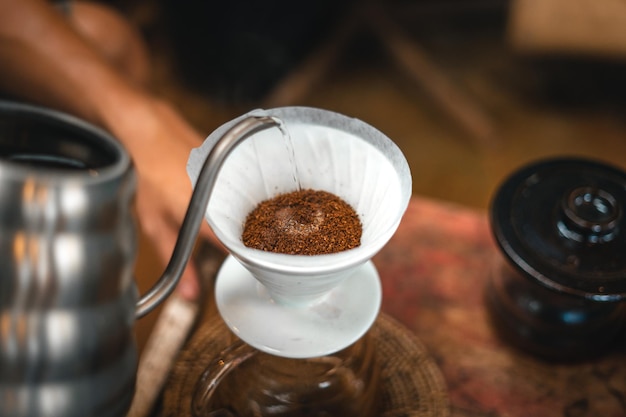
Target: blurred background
x,y
469,89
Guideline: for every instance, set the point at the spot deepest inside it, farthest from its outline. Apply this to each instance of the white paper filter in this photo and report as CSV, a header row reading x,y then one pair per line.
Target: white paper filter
x,y
331,152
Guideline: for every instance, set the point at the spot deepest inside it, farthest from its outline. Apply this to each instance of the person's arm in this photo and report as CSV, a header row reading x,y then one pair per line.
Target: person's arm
x,y
45,61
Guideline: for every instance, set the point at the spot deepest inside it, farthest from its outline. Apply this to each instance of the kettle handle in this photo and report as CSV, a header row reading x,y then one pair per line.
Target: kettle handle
x,y
197,208
227,361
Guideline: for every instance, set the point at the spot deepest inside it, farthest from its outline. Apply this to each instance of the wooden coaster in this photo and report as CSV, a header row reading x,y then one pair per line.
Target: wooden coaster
x,y
412,384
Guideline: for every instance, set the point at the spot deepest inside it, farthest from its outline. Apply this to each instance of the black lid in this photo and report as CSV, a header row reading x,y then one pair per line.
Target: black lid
x,y
562,222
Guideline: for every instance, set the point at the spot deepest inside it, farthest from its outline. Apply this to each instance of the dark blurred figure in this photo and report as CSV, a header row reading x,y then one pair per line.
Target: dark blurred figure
x,y
238,50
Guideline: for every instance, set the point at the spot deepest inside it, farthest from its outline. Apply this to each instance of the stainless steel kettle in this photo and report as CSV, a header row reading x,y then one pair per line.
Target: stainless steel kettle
x,y
68,243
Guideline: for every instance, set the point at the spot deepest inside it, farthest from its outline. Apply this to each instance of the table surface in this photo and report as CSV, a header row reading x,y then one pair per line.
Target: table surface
x,y
433,273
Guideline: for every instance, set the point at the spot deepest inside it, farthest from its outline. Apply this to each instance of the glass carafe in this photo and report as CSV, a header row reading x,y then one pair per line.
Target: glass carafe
x,y
245,382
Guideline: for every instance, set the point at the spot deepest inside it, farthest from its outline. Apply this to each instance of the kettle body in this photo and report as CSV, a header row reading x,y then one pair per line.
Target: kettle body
x,y
68,244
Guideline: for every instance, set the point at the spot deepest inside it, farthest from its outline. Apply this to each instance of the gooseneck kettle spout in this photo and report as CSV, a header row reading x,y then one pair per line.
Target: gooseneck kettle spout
x,y
197,208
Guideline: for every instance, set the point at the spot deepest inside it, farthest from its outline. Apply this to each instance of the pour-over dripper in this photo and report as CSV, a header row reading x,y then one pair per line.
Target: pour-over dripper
x,y
313,149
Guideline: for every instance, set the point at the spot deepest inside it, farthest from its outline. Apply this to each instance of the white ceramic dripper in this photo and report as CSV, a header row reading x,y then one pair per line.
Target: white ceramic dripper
x,y
309,149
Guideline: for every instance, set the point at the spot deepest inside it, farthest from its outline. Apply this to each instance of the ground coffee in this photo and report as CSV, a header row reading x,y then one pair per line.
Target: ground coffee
x,y
304,222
